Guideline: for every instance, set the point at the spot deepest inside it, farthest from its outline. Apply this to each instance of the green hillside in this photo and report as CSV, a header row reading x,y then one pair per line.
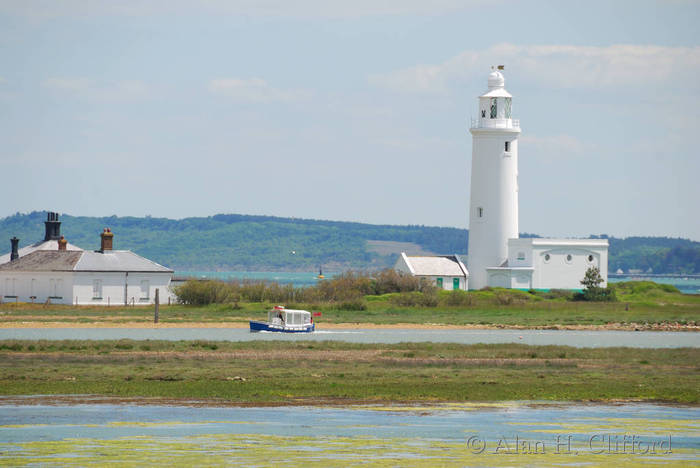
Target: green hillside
x,y
242,242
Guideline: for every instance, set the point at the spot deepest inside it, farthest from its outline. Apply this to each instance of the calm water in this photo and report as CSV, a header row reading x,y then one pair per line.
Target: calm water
x,y
577,338
451,434
299,279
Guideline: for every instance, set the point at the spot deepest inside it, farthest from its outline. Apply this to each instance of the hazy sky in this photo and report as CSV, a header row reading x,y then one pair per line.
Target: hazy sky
x,y
355,110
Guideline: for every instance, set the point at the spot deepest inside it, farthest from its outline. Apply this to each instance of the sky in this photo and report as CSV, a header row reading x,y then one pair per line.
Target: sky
x,y
354,110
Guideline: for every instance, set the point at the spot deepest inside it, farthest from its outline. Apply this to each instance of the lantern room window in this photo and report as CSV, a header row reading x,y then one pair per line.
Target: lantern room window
x,y
508,107
494,108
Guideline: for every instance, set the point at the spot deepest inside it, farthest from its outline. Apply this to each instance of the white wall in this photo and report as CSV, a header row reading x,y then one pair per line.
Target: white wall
x,y
40,284
567,266
113,287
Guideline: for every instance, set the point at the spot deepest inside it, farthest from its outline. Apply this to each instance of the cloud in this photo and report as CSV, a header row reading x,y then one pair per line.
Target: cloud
x,y
555,66
253,90
91,89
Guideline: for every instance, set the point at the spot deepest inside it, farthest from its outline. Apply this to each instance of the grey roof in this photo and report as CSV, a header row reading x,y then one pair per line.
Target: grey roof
x,y
44,260
118,260
51,245
444,265
110,261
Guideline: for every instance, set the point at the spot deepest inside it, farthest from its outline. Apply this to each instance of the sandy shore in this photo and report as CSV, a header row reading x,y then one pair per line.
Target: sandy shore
x,y
354,326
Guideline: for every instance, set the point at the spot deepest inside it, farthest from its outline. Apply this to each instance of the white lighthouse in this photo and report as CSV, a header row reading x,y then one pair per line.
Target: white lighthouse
x,y
497,257
493,210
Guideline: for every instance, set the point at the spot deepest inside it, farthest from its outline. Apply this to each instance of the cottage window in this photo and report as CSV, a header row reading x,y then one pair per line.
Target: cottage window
x,y
97,289
521,255
56,288
145,288
439,283
10,287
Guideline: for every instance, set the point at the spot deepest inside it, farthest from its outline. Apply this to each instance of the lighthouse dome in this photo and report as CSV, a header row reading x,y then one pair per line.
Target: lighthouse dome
x,y
496,80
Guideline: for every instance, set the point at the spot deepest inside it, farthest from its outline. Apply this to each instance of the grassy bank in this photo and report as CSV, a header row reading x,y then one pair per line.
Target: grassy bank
x,y
640,303
311,372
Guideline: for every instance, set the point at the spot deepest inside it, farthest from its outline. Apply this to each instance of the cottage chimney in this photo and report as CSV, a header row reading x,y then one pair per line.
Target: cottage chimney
x,y
15,249
53,227
107,238
62,243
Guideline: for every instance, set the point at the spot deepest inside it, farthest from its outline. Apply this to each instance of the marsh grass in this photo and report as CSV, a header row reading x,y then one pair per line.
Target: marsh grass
x,y
640,302
249,372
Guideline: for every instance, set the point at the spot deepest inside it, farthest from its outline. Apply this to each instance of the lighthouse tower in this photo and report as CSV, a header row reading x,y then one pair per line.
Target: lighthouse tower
x,y
493,208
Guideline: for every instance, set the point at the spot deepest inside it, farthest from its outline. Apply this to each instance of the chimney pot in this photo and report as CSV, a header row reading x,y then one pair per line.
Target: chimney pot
x,y
62,243
14,255
53,227
107,239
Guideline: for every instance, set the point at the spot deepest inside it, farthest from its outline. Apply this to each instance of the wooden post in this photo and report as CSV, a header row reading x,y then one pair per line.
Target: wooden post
x,y
155,316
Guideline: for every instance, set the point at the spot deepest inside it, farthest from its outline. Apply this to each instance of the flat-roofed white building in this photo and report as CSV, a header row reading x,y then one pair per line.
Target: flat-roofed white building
x,y
537,263
446,271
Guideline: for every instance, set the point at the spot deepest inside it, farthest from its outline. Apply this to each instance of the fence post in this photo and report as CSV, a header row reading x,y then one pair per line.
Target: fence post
x,y
155,316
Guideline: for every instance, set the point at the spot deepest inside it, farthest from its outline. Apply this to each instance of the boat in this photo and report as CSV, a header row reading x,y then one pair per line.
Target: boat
x,y
284,320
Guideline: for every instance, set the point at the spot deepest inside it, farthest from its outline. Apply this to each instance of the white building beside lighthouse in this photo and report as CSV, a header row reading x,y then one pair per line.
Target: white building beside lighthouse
x,y
497,257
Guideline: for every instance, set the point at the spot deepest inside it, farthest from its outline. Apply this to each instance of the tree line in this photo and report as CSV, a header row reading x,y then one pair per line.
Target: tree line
x,y
258,243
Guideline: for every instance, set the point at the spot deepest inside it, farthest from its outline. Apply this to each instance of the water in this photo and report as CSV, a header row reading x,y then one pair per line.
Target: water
x,y
576,338
302,279
298,279
449,434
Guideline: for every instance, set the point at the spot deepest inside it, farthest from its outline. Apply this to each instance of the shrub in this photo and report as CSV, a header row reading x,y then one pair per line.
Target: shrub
x,y
416,298
459,298
357,304
392,281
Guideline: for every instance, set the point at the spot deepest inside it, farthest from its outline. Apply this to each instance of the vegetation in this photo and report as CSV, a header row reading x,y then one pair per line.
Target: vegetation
x,y
592,291
348,286
240,242
323,372
641,305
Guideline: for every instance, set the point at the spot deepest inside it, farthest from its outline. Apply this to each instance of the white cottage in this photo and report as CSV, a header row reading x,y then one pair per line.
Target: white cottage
x,y
56,272
446,271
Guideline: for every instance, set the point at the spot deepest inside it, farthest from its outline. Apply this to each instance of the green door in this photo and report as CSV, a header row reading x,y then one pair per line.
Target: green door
x,y
455,283
439,283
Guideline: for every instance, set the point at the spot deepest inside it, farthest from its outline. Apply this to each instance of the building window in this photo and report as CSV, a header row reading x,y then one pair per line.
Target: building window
x,y
569,258
455,283
32,289
521,255
56,288
508,107
97,289
145,288
547,258
494,108
480,212
439,282
10,287
507,146
590,258
483,114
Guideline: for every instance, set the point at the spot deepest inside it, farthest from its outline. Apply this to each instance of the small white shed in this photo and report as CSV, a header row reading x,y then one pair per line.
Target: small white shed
x,y
446,271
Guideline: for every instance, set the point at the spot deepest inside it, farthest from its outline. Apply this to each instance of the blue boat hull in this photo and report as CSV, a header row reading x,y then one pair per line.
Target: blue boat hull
x,y
264,326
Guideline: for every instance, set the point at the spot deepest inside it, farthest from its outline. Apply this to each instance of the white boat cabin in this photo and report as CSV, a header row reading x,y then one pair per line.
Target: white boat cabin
x,y
282,317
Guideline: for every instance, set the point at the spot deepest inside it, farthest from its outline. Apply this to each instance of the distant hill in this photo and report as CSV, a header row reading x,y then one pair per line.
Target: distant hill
x,y
258,243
